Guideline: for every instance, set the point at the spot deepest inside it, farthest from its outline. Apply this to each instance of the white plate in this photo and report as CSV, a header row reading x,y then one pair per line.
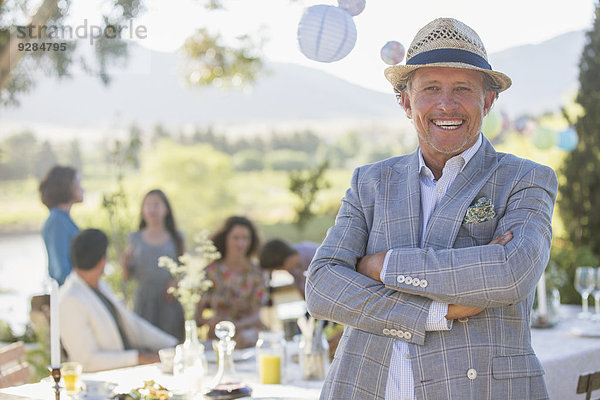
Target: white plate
x,y
592,332
238,355
104,390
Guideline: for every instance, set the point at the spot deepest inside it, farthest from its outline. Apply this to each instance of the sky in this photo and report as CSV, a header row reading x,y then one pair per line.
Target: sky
x,y
501,25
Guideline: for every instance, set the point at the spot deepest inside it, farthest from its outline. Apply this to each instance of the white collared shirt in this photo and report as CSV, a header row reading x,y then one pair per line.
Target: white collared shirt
x,y
400,383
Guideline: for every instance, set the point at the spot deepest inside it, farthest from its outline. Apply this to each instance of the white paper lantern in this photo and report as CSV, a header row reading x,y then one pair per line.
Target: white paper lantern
x,y
326,33
354,7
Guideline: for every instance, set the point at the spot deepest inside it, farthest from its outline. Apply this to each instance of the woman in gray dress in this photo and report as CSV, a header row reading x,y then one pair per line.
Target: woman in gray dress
x,y
157,236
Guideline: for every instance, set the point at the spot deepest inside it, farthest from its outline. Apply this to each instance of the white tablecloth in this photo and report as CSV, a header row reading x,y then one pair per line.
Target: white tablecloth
x,y
292,388
564,357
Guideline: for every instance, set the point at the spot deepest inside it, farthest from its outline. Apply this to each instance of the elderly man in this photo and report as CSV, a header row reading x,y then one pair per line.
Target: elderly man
x,y
434,256
95,328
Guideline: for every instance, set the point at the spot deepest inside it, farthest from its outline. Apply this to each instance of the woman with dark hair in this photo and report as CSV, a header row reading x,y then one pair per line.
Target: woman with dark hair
x,y
239,289
157,236
59,190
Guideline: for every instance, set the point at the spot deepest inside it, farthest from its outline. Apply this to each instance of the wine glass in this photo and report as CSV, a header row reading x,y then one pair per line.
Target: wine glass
x,y
585,281
596,294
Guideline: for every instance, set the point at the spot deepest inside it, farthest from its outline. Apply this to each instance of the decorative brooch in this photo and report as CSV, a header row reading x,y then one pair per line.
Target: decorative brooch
x,y
482,210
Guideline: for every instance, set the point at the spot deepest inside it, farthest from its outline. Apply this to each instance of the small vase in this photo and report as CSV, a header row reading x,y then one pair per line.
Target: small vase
x,y
189,364
314,357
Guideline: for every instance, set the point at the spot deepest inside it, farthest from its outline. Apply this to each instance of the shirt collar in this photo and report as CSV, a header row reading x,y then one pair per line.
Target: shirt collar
x,y
466,156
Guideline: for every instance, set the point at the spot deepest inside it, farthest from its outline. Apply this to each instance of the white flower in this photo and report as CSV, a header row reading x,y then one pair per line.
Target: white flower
x,y
190,273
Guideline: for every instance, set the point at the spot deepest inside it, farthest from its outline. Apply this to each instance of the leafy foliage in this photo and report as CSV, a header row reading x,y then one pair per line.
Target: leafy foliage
x,y
209,60
198,175
580,184
18,77
306,185
564,259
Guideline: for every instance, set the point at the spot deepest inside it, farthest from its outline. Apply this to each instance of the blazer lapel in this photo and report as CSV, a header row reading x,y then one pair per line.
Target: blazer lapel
x,y
446,220
402,202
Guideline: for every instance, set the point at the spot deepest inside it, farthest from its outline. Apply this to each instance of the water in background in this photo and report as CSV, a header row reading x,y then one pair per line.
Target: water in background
x,y
23,273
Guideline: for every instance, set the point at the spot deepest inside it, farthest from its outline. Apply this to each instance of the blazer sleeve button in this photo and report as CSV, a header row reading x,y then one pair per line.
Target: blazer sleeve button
x,y
471,374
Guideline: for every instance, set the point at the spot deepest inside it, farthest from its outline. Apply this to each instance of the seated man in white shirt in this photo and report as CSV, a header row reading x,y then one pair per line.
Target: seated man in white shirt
x,y
95,328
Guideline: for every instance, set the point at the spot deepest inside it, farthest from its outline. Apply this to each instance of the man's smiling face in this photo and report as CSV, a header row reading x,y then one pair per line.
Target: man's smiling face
x,y
447,106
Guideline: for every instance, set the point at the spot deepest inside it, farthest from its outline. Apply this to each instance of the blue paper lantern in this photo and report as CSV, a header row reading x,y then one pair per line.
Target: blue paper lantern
x,y
326,33
567,139
354,7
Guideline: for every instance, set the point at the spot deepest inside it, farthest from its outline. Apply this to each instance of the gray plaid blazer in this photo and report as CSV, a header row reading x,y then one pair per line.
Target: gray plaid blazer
x,y
487,357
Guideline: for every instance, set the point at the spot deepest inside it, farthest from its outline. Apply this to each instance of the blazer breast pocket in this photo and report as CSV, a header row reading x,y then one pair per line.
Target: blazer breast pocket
x,y
480,233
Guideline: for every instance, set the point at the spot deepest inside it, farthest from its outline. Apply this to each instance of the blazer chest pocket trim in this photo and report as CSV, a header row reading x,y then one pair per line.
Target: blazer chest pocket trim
x,y
506,367
481,231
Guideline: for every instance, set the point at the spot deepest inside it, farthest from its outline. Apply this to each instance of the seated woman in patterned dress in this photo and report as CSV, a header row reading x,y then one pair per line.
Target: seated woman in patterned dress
x,y
239,288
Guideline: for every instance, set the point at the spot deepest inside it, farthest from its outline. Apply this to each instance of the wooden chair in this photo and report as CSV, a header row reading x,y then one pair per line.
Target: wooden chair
x,y
588,383
14,370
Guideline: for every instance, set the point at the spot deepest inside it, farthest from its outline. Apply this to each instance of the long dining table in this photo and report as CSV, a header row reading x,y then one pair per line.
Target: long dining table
x,y
569,349
293,387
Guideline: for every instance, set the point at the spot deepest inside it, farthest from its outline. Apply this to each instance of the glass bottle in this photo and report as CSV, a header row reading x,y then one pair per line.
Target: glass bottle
x,y
189,363
270,357
313,353
226,384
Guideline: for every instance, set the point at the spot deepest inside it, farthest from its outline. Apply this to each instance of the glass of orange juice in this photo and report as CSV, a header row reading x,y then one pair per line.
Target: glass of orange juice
x,y
71,374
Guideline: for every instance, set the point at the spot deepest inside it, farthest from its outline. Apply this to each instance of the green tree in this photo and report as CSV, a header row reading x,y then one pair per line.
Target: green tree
x,y
208,59
580,180
45,159
196,178
287,160
248,160
306,185
17,67
74,155
19,152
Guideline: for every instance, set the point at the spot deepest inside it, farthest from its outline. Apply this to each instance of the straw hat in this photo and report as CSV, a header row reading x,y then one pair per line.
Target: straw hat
x,y
446,42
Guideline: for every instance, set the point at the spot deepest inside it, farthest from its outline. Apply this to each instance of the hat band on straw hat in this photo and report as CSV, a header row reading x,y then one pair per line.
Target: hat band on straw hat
x,y
449,55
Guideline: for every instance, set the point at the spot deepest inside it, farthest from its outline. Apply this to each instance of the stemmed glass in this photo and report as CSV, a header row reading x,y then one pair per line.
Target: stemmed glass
x,y
596,294
585,282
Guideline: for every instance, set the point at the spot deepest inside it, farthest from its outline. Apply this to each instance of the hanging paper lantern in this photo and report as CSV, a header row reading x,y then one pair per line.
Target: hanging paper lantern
x,y
520,124
492,124
354,7
544,138
326,33
525,126
567,139
506,122
392,53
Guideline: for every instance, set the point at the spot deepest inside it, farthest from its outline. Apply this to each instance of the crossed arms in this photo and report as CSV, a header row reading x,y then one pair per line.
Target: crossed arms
x,y
492,275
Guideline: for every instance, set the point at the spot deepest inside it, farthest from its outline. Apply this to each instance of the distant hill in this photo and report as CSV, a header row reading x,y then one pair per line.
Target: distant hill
x,y
286,92
152,92
543,75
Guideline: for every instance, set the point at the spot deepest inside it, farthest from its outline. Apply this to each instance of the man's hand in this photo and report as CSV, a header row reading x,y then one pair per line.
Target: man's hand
x,y
147,358
456,311
503,239
371,265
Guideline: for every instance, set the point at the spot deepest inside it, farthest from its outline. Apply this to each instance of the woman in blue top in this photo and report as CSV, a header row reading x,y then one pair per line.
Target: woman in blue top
x,y
59,190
